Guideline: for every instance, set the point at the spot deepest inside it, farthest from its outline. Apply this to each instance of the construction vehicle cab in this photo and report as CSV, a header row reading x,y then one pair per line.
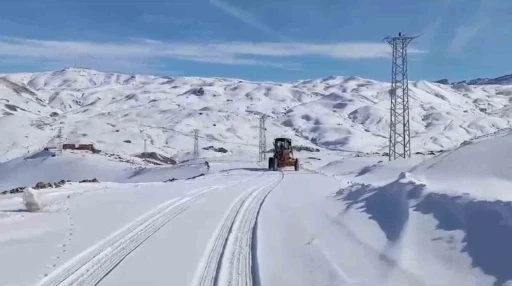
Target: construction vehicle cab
x,y
283,155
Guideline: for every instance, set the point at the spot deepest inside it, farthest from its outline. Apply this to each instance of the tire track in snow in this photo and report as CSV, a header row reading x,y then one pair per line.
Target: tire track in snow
x,y
229,258
92,265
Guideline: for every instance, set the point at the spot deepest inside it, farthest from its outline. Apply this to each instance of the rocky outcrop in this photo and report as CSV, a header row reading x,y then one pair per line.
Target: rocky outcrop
x,y
300,148
42,185
153,157
215,149
443,81
89,181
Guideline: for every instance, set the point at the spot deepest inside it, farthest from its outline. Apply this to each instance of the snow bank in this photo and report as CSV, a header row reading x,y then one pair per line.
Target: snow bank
x,y
376,170
453,210
44,166
159,174
462,227
30,200
481,168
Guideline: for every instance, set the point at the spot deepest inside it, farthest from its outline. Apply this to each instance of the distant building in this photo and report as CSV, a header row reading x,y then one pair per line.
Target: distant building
x,y
68,146
83,146
89,147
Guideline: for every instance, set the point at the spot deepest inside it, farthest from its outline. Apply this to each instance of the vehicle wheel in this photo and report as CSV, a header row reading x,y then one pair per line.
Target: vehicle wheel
x,y
271,163
276,165
296,164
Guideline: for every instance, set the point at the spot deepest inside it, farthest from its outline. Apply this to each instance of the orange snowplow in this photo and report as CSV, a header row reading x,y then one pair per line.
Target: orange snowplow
x,y
283,155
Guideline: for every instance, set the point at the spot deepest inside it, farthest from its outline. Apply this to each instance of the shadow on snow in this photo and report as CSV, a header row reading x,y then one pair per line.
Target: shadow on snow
x,y
487,225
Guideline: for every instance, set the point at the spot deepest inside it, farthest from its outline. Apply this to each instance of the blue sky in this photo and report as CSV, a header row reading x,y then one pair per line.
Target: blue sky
x,y
259,40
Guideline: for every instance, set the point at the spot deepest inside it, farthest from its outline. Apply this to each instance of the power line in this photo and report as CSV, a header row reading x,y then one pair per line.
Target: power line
x,y
399,124
202,137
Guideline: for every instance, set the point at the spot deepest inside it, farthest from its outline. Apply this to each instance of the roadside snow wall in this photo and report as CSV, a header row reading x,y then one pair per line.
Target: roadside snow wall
x,y
486,226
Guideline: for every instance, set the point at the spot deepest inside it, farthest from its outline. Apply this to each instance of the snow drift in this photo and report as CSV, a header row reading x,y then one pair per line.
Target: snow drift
x,y
461,202
44,166
30,200
481,168
485,226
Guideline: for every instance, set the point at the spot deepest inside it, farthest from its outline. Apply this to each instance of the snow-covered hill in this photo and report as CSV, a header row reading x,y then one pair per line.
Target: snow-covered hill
x,y
429,220
446,219
503,80
118,112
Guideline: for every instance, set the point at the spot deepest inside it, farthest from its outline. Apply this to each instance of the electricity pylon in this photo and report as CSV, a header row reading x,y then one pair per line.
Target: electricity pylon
x,y
399,124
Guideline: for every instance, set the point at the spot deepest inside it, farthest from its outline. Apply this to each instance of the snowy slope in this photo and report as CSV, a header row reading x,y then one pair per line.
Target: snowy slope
x,y
353,220
79,217
452,210
504,80
481,168
356,221
44,166
339,113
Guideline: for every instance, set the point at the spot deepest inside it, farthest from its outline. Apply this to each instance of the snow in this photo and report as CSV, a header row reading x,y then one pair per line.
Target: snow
x,y
44,166
348,217
311,229
341,113
68,226
480,168
30,200
452,211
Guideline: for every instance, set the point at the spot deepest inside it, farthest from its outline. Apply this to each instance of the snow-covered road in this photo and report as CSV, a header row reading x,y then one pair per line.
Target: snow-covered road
x,y
237,225
163,217
304,239
199,232
207,244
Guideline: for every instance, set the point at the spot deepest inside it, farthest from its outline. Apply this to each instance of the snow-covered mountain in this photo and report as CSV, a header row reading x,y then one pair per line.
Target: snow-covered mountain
x,y
426,220
502,80
118,112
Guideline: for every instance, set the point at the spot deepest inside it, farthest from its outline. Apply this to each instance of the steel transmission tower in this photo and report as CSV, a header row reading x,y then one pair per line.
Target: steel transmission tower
x,y
263,139
399,127
196,143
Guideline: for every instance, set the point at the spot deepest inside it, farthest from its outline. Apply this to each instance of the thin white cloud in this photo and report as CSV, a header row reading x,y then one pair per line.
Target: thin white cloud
x,y
245,17
465,33
10,64
429,33
144,51
335,50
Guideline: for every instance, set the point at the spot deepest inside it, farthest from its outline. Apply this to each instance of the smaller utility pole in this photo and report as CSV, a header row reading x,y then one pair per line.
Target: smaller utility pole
x,y
196,143
145,145
59,141
263,139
